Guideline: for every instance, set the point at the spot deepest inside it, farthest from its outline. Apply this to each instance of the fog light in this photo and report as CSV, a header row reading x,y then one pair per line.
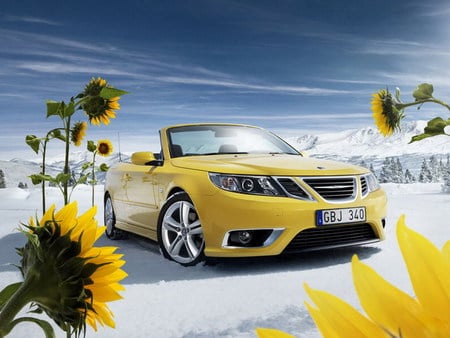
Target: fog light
x,y
245,237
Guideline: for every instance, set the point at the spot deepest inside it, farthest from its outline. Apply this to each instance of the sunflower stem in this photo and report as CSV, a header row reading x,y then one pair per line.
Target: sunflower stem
x,y
432,100
44,154
66,160
93,177
18,300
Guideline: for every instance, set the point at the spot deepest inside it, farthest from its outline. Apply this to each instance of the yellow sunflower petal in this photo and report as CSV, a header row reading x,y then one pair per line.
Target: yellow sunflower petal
x,y
104,313
90,319
101,82
66,217
108,274
104,119
387,305
446,251
321,322
428,269
48,215
95,121
272,333
342,317
110,113
103,293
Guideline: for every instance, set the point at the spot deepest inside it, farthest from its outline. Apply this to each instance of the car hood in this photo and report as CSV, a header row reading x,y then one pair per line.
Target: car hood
x,y
267,164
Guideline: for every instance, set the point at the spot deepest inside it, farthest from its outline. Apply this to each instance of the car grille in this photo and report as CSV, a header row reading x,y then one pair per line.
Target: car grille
x,y
292,188
333,188
331,237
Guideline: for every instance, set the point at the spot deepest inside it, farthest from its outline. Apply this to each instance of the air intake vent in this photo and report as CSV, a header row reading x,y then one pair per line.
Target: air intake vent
x,y
333,189
292,188
331,237
364,188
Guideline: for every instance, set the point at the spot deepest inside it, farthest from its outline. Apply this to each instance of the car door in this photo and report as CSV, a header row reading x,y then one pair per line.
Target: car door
x,y
142,209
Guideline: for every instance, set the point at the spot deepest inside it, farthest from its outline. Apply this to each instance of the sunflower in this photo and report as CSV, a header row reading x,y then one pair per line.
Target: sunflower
x,y
78,133
392,312
67,277
98,109
104,148
385,113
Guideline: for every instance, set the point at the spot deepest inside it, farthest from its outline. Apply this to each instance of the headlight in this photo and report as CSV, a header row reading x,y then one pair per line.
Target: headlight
x,y
256,185
372,182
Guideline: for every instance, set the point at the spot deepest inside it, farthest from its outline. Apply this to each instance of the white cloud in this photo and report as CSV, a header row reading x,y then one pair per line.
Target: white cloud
x,y
254,87
31,19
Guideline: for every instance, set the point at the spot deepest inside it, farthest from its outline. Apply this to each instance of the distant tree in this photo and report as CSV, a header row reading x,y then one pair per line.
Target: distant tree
x,y
433,165
2,180
391,171
22,185
386,173
409,178
446,176
425,175
397,170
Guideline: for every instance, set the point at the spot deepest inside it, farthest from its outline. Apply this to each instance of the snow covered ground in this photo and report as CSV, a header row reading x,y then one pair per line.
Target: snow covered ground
x,y
233,297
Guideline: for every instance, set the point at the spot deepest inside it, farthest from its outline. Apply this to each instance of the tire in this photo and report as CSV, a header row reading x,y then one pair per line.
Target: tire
x,y
110,220
180,234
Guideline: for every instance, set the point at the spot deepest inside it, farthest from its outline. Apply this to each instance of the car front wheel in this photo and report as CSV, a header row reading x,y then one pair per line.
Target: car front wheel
x,y
110,220
180,233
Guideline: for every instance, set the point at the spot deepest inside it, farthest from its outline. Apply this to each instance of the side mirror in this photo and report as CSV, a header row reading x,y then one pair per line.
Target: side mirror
x,y
143,158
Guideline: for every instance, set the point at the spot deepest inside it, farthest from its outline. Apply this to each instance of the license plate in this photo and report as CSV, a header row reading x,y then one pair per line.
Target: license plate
x,y
339,216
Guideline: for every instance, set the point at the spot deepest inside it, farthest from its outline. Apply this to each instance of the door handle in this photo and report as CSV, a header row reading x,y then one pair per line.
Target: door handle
x,y
126,177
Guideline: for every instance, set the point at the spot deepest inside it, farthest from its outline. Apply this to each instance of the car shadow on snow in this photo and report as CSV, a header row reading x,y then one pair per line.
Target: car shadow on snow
x,y
145,263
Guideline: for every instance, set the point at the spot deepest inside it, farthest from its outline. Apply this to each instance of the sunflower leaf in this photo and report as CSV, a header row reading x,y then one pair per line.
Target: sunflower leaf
x,y
424,91
62,178
45,326
434,127
54,108
7,292
91,146
109,92
34,142
103,167
39,178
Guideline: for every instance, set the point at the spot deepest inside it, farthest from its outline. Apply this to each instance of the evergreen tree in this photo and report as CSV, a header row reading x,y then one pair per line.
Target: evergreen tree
x,y
433,166
409,178
397,171
2,180
425,175
386,173
446,176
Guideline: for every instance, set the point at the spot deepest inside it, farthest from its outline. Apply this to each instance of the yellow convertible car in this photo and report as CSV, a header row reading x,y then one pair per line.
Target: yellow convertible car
x,y
225,190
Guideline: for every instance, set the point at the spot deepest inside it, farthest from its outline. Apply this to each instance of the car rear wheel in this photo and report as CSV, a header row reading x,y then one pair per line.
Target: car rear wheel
x,y
110,220
180,233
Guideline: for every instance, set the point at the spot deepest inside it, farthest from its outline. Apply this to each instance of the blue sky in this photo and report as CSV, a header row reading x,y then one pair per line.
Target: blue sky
x,y
294,67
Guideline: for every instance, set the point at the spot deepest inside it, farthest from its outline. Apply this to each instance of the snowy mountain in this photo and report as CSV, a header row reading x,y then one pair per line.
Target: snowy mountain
x,y
355,146
370,146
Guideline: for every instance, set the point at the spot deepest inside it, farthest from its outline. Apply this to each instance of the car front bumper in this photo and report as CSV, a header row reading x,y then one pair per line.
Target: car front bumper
x,y
293,222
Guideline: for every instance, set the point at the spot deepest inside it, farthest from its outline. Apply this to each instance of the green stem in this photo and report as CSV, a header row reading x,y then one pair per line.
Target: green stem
x,y
93,177
432,100
44,153
18,300
66,162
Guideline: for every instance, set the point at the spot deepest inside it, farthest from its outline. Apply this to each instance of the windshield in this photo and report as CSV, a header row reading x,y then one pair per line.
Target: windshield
x,y
224,139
